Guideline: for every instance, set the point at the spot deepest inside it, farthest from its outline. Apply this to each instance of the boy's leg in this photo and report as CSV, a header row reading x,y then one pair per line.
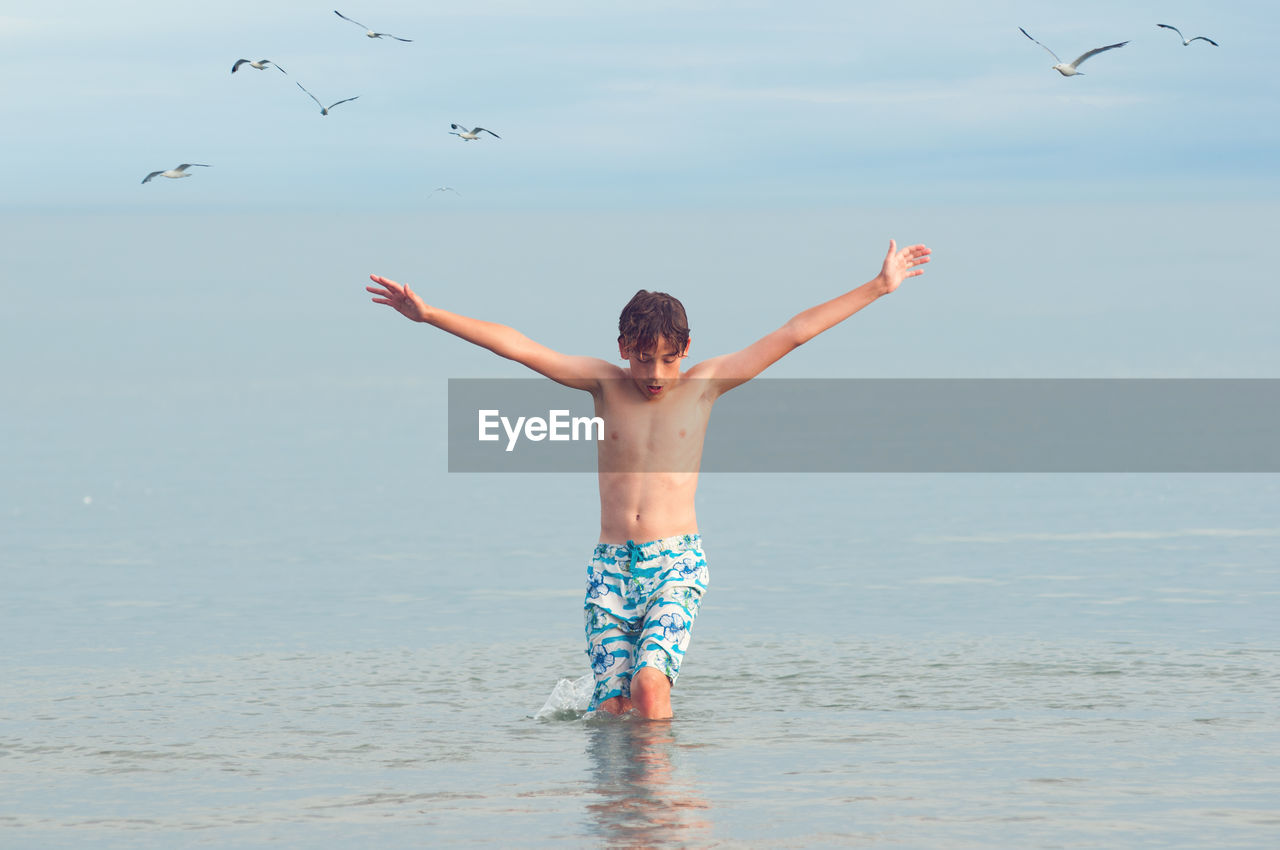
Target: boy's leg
x,y
661,648
617,705
651,694
611,631
611,650
611,645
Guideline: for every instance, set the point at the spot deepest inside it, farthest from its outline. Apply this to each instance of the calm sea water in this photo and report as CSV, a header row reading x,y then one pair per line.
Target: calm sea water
x,y
248,612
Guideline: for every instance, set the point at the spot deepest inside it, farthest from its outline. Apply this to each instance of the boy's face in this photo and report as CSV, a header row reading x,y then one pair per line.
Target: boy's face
x,y
656,369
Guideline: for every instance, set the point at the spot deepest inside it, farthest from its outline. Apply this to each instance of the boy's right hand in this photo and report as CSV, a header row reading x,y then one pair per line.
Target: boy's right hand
x,y
400,296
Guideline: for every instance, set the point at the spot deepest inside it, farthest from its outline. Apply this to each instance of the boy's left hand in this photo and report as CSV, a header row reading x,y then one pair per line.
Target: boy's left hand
x,y
900,265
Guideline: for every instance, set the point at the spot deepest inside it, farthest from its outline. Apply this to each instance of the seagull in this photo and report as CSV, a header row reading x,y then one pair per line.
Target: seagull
x,y
446,189
1069,69
1185,40
324,110
180,171
260,65
471,135
368,31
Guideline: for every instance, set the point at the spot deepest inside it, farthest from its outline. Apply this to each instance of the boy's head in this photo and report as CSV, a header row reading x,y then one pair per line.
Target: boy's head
x,y
651,318
653,334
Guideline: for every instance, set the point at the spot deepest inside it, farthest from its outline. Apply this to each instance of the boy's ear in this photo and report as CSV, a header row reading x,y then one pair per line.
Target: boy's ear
x,y
688,342
622,349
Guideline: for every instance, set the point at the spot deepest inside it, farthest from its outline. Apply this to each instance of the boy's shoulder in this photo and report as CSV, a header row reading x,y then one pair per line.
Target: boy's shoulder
x,y
702,370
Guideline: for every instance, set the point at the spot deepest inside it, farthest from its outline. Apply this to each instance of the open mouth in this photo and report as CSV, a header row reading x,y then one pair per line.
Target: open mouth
x,y
654,389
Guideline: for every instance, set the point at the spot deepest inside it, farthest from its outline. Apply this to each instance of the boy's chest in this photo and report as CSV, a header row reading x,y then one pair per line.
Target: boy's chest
x,y
675,424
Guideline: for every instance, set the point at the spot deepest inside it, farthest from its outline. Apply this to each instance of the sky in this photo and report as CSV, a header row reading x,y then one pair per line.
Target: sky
x,y
754,158
635,105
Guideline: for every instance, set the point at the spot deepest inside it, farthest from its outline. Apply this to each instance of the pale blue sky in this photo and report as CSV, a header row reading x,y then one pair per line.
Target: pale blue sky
x,y
752,158
625,105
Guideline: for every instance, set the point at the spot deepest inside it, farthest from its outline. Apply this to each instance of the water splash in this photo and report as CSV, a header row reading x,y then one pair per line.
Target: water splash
x,y
569,699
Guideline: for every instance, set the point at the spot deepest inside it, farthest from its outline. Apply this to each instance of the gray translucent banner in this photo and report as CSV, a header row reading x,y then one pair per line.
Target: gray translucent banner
x,y
918,425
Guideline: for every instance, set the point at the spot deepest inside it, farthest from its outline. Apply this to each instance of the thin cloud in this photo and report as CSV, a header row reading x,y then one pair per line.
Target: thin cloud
x,y
970,94
12,26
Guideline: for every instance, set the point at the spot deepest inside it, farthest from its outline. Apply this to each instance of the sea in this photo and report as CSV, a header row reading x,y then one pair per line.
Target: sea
x,y
244,602
249,607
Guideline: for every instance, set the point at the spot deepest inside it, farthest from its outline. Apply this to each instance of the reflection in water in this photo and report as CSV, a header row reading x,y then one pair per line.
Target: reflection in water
x,y
647,800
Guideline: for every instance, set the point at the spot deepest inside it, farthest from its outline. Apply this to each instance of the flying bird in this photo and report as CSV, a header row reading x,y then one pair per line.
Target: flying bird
x,y
260,65
470,135
180,171
368,31
1185,40
324,110
446,189
1069,69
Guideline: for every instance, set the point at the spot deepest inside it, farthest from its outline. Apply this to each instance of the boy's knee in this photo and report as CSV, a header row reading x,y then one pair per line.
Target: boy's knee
x,y
651,693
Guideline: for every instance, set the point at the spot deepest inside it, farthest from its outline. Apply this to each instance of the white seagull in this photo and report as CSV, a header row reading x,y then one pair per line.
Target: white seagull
x,y
180,171
368,31
470,135
324,110
446,189
260,65
1069,69
1185,40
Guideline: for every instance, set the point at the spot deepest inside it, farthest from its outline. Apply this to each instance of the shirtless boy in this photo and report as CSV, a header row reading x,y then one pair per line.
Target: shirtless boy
x,y
642,597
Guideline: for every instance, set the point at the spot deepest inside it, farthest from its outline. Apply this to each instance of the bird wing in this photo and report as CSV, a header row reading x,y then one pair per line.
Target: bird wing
x,y
344,100
396,37
1175,29
310,95
483,130
1096,51
239,62
1202,38
459,127
1051,53
281,70
149,176
345,18
187,165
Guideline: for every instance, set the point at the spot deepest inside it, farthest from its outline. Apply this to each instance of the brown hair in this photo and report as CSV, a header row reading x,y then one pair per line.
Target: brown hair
x,y
650,317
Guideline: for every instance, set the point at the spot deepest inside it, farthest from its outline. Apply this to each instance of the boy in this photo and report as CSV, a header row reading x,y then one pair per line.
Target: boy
x,y
642,598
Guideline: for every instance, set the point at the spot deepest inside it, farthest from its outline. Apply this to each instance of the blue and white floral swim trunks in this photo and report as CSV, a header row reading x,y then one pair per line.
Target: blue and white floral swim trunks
x,y
641,602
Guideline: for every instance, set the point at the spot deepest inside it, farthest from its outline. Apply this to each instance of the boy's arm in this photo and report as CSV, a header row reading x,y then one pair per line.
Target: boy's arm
x,y
582,373
730,370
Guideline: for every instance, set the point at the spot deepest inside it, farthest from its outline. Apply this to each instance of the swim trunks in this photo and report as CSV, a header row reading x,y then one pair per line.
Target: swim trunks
x,y
640,606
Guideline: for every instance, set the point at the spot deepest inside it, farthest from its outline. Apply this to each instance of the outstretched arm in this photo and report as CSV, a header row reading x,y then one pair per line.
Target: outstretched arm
x,y
583,373
730,370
